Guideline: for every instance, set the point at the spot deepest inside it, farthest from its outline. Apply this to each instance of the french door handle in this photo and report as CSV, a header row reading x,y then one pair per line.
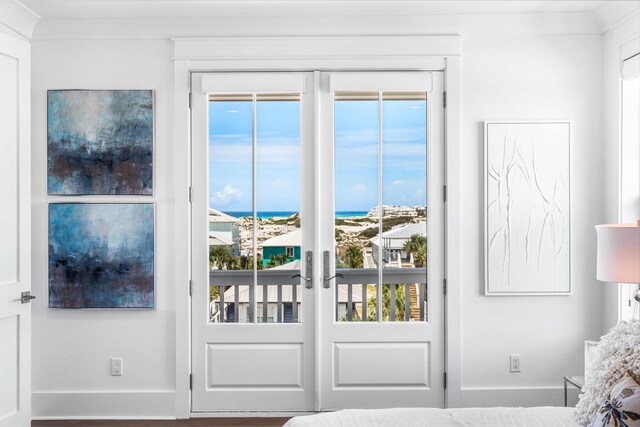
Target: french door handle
x,y
325,265
308,262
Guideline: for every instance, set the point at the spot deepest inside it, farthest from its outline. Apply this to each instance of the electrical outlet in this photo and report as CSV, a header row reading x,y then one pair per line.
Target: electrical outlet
x,y
116,366
514,365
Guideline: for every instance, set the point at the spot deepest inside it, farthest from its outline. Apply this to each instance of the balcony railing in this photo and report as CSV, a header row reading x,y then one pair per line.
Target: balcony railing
x,y
363,299
356,297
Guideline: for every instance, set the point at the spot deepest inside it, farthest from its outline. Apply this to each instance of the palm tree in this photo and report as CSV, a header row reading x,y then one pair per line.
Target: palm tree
x,y
354,257
386,304
277,259
420,257
417,246
219,257
232,262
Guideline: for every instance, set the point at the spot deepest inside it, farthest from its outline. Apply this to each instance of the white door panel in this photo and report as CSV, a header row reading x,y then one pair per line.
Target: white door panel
x,y
387,364
15,235
9,169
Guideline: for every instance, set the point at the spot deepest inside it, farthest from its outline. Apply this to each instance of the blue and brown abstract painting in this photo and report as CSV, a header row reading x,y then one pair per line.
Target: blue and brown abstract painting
x,y
100,142
101,255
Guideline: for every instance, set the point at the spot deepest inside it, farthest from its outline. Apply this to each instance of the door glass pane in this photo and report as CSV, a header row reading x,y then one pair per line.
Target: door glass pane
x,y
234,159
370,239
230,207
279,233
404,193
356,204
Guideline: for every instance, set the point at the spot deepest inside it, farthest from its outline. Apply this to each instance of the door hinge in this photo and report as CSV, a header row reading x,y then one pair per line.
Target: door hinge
x,y
445,380
189,100
444,193
190,287
444,100
190,381
444,287
190,194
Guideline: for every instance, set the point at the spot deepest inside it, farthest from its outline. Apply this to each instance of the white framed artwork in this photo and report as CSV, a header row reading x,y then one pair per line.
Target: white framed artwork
x,y
527,207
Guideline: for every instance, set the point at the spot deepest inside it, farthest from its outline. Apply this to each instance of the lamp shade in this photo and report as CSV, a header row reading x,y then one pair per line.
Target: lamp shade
x,y
618,253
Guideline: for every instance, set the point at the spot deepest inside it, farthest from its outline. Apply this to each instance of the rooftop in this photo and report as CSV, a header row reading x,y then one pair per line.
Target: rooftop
x,y
293,238
217,216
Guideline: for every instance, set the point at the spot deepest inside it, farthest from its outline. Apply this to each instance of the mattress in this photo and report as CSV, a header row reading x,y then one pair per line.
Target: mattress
x,y
433,417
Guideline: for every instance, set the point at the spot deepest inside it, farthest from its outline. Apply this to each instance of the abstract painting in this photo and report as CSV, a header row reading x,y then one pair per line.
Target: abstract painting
x,y
100,142
527,208
101,255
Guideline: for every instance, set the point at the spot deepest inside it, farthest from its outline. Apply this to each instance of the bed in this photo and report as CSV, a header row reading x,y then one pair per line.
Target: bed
x,y
433,417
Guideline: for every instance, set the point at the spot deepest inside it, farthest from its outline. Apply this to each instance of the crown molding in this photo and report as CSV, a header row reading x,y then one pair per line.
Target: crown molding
x,y
613,13
18,18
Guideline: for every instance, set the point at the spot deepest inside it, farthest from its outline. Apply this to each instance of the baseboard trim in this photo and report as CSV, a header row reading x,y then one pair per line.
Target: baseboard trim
x,y
150,405
513,397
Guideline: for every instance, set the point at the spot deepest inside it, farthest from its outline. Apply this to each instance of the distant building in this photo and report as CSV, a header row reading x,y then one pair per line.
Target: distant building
x,y
393,241
288,243
224,231
396,210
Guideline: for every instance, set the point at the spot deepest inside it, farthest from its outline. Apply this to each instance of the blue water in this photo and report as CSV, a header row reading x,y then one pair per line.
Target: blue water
x,y
271,214
344,214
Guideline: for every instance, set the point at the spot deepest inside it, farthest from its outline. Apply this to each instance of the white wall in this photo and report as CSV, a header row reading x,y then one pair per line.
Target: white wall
x,y
530,77
513,67
72,348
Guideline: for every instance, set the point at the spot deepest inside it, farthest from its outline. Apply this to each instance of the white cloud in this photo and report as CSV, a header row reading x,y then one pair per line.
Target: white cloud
x,y
228,194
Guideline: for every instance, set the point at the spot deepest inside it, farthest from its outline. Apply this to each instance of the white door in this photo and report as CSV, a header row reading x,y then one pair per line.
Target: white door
x,y
292,167
15,235
382,320
252,213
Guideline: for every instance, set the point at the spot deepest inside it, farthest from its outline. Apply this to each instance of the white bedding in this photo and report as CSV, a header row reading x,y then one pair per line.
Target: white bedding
x,y
432,417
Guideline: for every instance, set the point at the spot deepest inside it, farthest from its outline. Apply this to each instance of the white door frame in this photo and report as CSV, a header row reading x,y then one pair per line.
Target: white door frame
x,y
10,293
349,53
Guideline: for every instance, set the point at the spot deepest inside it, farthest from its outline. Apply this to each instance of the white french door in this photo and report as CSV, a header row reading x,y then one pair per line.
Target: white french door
x,y
386,347
252,313
311,230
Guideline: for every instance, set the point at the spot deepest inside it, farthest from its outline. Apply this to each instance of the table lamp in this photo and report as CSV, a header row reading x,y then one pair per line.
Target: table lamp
x,y
619,254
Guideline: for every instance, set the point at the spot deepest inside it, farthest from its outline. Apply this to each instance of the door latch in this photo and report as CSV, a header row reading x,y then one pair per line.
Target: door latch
x,y
26,297
308,258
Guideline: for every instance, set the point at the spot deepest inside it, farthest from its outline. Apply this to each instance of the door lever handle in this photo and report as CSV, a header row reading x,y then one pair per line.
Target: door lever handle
x,y
327,279
26,297
308,261
326,270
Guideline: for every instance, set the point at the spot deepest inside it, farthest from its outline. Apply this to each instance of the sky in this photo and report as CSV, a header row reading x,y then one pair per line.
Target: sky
x,y
278,155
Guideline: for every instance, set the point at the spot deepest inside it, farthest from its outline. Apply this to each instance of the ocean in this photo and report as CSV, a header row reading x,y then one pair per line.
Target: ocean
x,y
271,214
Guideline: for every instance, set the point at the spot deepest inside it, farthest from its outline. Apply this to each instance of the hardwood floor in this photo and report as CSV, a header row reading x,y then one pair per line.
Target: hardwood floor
x,y
195,422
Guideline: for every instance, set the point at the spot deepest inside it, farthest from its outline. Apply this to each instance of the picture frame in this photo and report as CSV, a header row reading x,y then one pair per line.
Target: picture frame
x,y
100,142
102,255
527,208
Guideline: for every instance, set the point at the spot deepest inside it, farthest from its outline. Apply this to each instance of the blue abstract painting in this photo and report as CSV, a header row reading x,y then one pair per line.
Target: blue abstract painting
x,y
101,255
100,142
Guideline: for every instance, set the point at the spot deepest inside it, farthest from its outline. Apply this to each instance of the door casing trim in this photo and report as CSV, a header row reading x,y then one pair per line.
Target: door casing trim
x,y
344,53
